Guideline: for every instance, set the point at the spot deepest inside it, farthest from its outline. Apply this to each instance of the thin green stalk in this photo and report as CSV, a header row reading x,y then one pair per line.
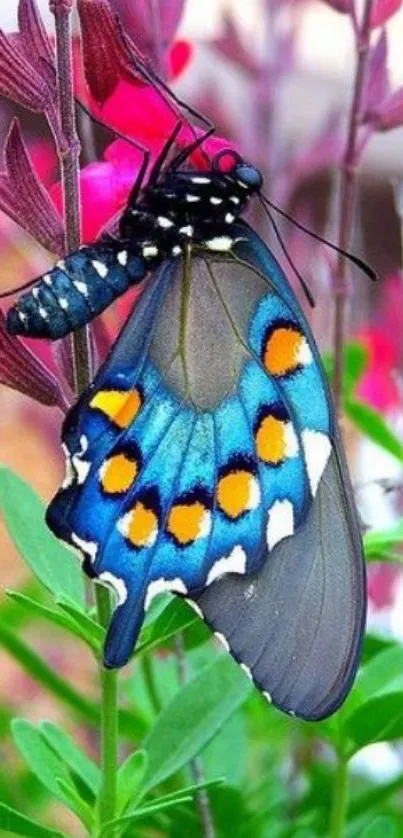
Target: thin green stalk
x,y
109,725
69,157
148,673
339,800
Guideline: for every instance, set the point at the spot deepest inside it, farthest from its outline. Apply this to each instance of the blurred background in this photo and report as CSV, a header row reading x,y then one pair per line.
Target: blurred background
x,y
277,79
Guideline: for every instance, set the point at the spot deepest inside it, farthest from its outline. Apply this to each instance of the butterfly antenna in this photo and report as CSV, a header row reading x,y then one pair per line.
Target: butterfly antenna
x,y
12,291
370,273
290,261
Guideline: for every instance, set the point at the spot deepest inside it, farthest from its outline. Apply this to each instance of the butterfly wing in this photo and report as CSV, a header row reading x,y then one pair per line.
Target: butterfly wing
x,y
201,462
76,290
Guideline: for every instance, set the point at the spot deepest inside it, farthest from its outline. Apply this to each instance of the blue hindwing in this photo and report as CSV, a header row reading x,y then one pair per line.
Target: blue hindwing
x,y
227,487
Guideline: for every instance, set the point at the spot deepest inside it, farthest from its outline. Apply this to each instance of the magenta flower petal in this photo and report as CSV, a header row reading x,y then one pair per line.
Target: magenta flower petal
x,y
24,198
389,114
377,82
21,370
382,10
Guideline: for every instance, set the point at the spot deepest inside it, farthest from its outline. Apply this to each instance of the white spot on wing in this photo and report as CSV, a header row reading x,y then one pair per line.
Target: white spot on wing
x,y
23,317
160,586
123,526
304,356
187,230
70,473
267,696
100,268
246,670
229,218
35,292
234,563
81,467
280,522
47,279
215,201
199,179
176,250
191,199
63,303
254,494
235,199
89,548
291,440
317,450
61,265
195,607
221,639
43,313
116,583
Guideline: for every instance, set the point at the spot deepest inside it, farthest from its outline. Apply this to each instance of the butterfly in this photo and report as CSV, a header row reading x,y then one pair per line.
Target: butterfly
x,y
204,459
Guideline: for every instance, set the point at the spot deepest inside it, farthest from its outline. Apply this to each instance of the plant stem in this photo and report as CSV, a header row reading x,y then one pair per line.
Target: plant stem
x,y
347,196
109,723
69,158
339,801
148,673
196,765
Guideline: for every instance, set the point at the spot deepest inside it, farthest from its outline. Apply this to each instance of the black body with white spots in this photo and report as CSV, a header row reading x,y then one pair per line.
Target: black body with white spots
x,y
183,207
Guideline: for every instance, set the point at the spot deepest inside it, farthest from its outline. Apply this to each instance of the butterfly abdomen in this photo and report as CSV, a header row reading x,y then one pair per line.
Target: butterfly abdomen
x,y
77,289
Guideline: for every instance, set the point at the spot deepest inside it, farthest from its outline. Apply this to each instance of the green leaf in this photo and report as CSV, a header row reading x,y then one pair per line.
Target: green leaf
x,y
72,755
355,357
141,814
378,720
54,565
18,824
62,620
42,761
193,717
94,633
130,777
382,827
372,424
379,544
77,805
383,674
177,616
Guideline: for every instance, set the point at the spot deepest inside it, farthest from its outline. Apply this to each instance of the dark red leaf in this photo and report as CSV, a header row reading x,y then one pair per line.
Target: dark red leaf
x,y
24,198
19,81
21,370
344,6
35,43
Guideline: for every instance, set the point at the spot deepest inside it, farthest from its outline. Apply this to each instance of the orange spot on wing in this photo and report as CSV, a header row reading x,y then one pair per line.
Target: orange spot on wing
x,y
234,493
118,473
187,522
140,526
282,350
121,406
270,440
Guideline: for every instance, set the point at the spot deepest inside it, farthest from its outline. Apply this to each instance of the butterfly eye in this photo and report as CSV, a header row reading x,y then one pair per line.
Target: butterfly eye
x,y
249,176
227,160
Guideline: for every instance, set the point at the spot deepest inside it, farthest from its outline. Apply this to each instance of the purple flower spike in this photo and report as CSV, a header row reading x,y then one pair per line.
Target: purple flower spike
x,y
21,370
24,198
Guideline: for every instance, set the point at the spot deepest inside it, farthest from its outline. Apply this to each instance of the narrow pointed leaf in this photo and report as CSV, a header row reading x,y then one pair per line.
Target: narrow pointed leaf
x,y
176,617
16,823
72,755
42,761
142,814
55,617
71,797
373,425
54,565
193,716
130,778
93,632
